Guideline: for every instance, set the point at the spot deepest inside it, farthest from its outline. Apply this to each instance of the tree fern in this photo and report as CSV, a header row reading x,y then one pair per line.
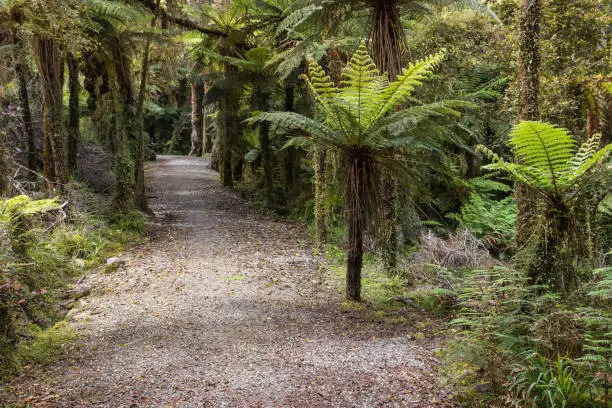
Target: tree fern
x,y
356,120
546,157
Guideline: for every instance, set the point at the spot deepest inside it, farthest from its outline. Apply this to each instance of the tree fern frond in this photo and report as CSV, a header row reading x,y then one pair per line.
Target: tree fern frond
x,y
407,82
585,158
544,147
297,18
408,118
295,121
362,84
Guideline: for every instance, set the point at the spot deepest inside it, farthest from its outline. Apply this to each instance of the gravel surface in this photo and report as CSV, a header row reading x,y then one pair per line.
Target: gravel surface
x,y
227,307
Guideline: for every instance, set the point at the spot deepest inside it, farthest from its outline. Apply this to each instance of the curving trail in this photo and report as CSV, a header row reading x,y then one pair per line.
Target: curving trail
x,y
227,307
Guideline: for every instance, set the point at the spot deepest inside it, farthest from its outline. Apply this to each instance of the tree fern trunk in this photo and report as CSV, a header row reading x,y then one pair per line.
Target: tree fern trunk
x,y
357,178
264,141
388,47
4,164
21,69
320,197
74,114
49,62
208,137
529,89
197,120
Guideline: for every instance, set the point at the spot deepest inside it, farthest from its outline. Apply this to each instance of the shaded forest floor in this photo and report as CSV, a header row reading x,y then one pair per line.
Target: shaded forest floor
x,y
227,307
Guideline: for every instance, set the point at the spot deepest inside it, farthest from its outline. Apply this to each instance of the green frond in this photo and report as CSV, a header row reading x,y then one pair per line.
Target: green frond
x,y
297,18
412,77
320,83
362,86
546,157
587,156
117,11
295,121
399,122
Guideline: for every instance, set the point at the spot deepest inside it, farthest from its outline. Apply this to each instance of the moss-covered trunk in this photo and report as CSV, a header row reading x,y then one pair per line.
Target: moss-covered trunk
x,y
21,69
528,103
227,130
320,197
49,62
388,47
124,134
74,114
197,118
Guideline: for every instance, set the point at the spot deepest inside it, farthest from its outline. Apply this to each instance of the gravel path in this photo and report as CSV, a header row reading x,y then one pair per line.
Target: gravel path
x,y
227,307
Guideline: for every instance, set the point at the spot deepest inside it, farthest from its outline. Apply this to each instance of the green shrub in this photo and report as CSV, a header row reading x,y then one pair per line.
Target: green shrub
x,y
538,382
47,345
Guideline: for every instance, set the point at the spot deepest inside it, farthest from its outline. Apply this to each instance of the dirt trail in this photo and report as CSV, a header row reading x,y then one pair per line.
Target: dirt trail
x,y
226,307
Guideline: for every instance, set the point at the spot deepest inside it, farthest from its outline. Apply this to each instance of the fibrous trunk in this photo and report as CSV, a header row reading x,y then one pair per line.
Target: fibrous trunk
x,y
529,89
357,188
320,197
49,62
73,112
388,47
21,69
197,118
290,159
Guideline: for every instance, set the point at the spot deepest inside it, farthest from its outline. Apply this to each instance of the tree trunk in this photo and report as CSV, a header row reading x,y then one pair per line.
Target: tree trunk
x,y
74,114
197,119
354,261
264,141
225,136
126,137
529,59
290,162
4,164
357,180
529,89
388,46
320,197
21,69
208,137
139,176
49,62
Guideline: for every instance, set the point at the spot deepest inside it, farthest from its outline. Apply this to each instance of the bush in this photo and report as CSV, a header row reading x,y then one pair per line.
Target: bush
x,y
44,247
47,345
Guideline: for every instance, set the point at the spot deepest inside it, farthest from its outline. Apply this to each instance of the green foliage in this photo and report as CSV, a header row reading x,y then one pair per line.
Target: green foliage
x,y
564,383
51,250
547,159
490,219
47,345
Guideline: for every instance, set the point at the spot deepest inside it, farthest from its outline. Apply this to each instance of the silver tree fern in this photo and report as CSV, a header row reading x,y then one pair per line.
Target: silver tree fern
x,y
548,162
359,120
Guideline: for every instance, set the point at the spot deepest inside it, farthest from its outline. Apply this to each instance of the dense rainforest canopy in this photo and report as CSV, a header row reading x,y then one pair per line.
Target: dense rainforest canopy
x,y
450,159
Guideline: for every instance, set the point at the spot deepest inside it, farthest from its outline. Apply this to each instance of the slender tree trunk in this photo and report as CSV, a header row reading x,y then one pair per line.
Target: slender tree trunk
x,y
290,153
21,70
529,59
126,133
208,137
320,197
197,119
388,47
264,141
49,62
228,109
225,148
74,114
529,89
357,180
140,198
4,164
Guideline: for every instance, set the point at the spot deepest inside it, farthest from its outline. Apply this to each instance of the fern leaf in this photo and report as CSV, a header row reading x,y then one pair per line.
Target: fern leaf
x,y
400,90
362,84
